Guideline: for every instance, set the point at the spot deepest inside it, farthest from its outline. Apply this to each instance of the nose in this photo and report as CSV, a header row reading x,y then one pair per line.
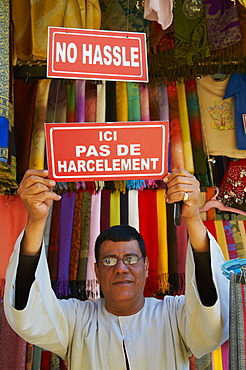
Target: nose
x,y
120,266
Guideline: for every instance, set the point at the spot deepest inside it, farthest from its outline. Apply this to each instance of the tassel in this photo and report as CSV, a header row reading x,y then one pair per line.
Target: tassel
x,y
135,184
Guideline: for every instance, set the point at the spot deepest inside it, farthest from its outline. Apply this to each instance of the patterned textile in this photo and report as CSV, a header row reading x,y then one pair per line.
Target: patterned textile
x,y
121,101
13,347
241,17
117,16
90,101
133,97
144,102
200,169
190,35
237,322
80,101
71,101
222,23
57,102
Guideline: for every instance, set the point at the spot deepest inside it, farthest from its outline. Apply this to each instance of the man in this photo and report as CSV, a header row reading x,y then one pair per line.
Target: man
x,y
123,330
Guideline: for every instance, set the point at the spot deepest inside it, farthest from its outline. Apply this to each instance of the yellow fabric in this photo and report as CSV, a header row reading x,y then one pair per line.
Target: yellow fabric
x,y
162,264
221,239
32,18
37,150
217,359
114,208
185,128
121,102
243,235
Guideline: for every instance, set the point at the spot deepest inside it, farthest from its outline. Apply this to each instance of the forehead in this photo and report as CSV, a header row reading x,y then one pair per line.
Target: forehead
x,y
108,247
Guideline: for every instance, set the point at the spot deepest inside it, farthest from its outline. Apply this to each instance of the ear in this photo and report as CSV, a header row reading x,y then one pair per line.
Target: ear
x,y
146,264
96,272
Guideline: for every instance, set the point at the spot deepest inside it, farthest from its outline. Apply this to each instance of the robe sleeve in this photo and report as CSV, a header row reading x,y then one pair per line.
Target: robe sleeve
x,y
45,321
207,327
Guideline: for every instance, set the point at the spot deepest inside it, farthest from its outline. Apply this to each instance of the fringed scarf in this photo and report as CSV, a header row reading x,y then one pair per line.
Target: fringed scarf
x,y
185,128
13,347
133,97
154,102
105,209
65,237
92,287
162,262
14,216
200,169
101,102
124,208
147,204
37,150
57,102
75,243
144,102
84,247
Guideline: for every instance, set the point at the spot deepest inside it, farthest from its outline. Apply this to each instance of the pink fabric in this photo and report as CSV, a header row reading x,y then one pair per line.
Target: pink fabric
x,y
144,102
92,287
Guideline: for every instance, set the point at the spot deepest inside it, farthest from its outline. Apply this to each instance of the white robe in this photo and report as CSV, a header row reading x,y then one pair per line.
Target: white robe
x,y
162,335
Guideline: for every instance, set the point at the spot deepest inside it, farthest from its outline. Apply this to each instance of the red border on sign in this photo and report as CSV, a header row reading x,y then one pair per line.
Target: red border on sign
x,y
146,145
78,70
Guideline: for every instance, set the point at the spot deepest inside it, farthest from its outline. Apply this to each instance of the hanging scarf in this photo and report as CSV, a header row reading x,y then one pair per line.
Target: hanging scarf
x,y
154,103
185,129
230,239
92,287
110,101
71,101
101,102
217,359
53,243
200,169
114,208
241,9
147,204
221,238
190,35
222,23
162,263
237,359
84,247
172,258
105,209
65,237
133,211
181,248
24,101
123,15
57,102
124,208
238,239
80,101
14,215
144,102
10,343
176,146
90,101
37,151
133,97
45,360
163,103
93,14
121,101
75,243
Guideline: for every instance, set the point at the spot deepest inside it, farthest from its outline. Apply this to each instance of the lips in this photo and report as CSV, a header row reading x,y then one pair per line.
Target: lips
x,y
122,282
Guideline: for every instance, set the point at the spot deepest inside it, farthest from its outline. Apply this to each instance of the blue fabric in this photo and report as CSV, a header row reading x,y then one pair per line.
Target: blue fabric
x,y
237,88
4,138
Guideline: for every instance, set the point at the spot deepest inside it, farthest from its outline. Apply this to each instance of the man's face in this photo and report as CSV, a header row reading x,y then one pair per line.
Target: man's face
x,y
122,285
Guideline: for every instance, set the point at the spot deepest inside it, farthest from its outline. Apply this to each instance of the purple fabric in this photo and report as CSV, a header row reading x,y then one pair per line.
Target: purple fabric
x,y
64,243
222,23
80,101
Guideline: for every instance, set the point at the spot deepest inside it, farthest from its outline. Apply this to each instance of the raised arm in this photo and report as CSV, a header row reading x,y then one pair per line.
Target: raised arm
x,y
35,190
179,183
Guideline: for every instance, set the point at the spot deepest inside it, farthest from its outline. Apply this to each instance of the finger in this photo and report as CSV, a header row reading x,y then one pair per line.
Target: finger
x,y
31,172
33,181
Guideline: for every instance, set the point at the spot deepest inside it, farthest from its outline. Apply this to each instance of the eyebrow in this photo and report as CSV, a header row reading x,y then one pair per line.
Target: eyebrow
x,y
125,255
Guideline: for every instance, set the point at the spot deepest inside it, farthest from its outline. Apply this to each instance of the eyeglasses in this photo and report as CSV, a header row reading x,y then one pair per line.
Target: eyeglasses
x,y
128,260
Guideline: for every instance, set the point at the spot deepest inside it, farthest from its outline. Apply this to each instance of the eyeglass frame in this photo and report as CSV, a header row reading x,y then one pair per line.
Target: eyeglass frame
x,y
122,259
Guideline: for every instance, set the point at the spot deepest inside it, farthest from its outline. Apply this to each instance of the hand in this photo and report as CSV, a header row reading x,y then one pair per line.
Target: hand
x,y
178,183
35,190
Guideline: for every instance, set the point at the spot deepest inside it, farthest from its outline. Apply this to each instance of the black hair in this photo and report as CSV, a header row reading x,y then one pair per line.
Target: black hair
x,y
119,233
